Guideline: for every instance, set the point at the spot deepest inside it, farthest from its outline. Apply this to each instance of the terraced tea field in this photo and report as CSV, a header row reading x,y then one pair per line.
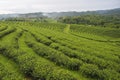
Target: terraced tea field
x,y
55,51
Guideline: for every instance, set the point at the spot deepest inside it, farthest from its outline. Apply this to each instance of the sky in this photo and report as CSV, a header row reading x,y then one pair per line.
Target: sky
x,y
29,6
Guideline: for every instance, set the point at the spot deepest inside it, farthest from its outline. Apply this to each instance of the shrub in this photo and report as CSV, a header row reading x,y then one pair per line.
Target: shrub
x,y
53,55
108,74
59,76
42,39
90,70
8,31
3,28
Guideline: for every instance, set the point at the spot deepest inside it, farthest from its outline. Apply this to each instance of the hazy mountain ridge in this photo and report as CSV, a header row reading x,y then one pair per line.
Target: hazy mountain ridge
x,y
74,13
61,14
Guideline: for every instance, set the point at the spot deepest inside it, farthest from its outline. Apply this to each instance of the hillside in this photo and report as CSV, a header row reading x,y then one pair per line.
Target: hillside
x,y
104,18
57,51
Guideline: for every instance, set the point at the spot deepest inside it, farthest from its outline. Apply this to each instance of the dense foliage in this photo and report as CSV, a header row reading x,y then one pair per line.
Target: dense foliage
x,y
56,51
94,19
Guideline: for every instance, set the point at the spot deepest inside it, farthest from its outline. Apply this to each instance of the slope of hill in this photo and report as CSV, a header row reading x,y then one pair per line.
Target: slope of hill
x,y
56,51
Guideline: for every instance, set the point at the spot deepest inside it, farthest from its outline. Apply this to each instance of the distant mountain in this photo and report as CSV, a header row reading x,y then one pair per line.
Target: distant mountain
x,y
108,12
3,16
28,15
99,12
32,15
61,14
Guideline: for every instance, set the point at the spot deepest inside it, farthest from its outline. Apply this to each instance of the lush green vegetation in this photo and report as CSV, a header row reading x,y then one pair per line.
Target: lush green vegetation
x,y
94,19
55,51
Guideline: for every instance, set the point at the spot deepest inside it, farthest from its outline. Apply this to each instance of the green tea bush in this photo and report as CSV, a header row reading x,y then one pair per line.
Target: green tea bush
x,y
7,74
47,53
5,32
3,28
2,71
75,54
108,74
90,70
37,67
26,62
48,72
42,39
97,30
59,76
53,55
67,51
101,63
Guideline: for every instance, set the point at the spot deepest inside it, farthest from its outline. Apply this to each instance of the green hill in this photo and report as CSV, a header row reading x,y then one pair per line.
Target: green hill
x,y
56,51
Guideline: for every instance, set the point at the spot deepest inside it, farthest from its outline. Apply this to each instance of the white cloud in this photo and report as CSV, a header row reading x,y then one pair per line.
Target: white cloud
x,y
23,6
6,12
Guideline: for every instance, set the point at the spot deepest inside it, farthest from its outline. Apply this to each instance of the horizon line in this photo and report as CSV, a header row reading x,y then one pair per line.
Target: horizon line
x,y
10,12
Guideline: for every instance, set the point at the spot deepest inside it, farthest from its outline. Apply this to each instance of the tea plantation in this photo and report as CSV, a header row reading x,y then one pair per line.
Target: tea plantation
x,y
57,51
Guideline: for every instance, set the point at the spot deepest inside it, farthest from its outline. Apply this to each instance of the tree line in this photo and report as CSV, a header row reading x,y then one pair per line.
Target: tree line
x,y
93,19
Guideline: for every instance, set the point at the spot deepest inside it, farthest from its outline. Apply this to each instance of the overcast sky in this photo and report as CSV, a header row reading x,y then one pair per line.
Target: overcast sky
x,y
26,6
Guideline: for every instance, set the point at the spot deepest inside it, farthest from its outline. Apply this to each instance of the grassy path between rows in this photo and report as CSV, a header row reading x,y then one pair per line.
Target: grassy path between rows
x,y
67,29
